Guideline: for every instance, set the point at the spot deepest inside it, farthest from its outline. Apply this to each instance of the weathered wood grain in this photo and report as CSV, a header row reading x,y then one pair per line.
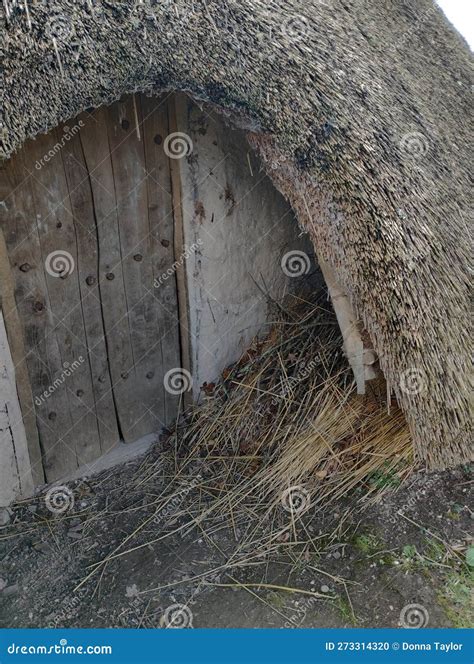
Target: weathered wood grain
x,y
161,238
95,144
16,343
20,221
82,207
15,470
57,233
246,228
179,198
131,191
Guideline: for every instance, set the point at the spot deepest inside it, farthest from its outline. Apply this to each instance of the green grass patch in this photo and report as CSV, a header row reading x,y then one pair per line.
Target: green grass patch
x,y
457,598
368,544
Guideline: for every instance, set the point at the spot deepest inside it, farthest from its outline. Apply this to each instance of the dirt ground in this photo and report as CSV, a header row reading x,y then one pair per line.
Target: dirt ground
x,y
109,560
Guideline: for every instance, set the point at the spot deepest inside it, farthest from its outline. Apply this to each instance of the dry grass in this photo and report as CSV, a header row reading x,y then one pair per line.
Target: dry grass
x,y
277,440
280,437
287,415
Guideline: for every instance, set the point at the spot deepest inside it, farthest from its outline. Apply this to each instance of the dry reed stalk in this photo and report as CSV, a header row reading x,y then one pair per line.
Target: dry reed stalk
x,y
286,415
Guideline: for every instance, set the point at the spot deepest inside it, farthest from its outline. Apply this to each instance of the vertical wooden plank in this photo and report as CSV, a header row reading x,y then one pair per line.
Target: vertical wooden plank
x,y
146,323
161,224
131,412
82,207
130,177
14,331
179,249
15,467
57,235
19,223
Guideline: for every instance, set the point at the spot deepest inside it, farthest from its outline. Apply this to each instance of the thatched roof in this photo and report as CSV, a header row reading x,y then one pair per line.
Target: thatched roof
x,y
360,110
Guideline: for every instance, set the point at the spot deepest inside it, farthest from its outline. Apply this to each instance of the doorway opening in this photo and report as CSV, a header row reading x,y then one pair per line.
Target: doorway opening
x,y
145,245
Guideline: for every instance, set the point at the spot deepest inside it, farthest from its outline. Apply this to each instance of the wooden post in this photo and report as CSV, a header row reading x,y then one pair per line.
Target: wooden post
x,y
13,363
179,254
359,358
15,468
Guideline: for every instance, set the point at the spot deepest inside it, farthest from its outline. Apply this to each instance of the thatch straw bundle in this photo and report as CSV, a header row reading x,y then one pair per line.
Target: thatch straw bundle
x,y
282,437
285,431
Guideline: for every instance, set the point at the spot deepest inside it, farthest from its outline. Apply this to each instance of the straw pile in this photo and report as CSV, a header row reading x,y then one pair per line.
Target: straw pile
x,y
277,440
284,434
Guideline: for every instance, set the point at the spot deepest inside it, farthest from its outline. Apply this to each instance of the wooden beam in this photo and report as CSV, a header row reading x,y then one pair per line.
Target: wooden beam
x,y
14,335
16,480
360,358
179,251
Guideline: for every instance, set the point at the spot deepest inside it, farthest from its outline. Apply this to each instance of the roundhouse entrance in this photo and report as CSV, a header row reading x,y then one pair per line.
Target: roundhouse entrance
x,y
142,245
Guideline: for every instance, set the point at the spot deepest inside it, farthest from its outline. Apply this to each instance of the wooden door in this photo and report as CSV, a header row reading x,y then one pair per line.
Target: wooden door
x,y
87,217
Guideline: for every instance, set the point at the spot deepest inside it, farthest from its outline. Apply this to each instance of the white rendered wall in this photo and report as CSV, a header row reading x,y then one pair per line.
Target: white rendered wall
x,y
241,228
